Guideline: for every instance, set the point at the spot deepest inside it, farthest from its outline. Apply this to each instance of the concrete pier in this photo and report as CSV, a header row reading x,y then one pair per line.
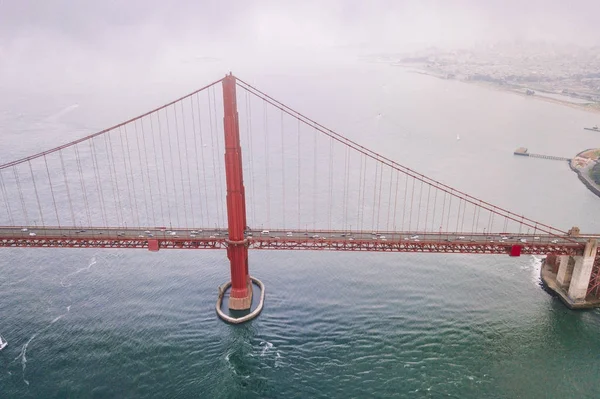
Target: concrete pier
x,y
522,151
565,270
582,271
572,279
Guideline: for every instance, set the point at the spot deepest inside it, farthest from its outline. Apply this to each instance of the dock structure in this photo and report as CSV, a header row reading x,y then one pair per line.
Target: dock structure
x,y
522,151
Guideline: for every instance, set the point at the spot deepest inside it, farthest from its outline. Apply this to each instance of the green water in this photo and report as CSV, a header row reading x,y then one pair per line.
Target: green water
x,y
112,323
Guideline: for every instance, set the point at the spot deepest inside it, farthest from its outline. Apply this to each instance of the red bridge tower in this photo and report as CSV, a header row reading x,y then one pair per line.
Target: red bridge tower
x,y
237,249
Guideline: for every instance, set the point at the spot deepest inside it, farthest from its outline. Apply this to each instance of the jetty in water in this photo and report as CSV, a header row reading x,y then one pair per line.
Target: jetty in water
x,y
522,151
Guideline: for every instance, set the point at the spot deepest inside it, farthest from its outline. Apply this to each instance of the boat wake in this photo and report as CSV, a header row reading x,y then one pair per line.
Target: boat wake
x,y
62,112
23,354
88,267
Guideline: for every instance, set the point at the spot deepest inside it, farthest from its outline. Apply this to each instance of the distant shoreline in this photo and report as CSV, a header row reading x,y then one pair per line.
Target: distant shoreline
x,y
593,107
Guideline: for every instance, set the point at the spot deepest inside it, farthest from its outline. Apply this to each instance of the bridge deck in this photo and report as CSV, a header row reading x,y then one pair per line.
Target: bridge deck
x,y
161,238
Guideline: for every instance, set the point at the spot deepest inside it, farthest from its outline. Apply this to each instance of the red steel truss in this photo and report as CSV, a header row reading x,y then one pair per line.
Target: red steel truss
x,y
298,243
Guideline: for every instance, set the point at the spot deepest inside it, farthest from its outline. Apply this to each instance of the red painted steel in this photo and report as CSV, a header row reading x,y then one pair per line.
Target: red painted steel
x,y
594,287
237,250
515,250
299,243
153,245
480,247
95,242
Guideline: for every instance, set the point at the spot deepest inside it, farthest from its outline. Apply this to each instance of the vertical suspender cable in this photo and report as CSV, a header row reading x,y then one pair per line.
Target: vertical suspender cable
x,y
203,160
396,199
62,163
172,167
473,222
449,210
98,182
220,163
478,213
194,132
420,200
412,197
7,202
137,141
462,223
137,212
387,226
346,190
299,163
404,203
443,212
37,197
51,190
360,205
23,207
82,185
364,194
427,209
458,215
521,224
126,179
164,167
147,164
283,170
251,154
315,187
435,193
139,153
157,172
178,155
112,165
213,149
379,198
187,162
113,181
330,191
267,182
374,195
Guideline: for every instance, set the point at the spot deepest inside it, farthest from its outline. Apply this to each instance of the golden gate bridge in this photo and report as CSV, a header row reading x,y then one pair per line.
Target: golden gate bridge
x,y
158,181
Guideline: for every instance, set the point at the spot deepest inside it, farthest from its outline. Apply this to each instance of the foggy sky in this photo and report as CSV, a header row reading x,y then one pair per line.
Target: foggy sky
x,y
306,23
71,36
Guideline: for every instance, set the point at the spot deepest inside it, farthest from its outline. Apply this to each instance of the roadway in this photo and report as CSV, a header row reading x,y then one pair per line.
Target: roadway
x,y
212,233
158,238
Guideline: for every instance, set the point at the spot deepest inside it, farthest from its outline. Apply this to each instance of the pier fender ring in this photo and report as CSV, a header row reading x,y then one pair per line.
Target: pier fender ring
x,y
232,320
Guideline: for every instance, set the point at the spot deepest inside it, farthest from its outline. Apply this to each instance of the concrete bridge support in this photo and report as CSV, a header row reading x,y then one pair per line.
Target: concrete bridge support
x,y
565,270
582,272
571,280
